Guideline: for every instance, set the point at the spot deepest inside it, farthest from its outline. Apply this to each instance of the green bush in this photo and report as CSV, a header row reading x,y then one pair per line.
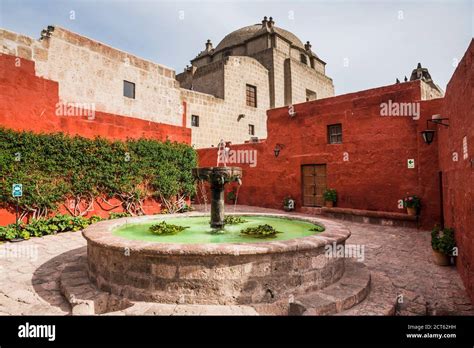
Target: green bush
x,y
318,228
43,227
330,195
261,231
163,228
443,240
234,220
56,169
118,215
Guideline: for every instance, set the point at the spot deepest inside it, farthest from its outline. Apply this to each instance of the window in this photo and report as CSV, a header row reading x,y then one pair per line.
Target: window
x,y
310,95
335,134
311,62
251,129
128,89
303,59
251,95
195,121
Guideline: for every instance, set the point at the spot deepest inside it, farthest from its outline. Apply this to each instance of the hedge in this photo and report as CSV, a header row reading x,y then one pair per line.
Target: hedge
x,y
78,172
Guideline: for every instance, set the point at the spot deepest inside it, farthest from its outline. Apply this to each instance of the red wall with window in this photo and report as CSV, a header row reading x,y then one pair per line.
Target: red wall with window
x,y
368,169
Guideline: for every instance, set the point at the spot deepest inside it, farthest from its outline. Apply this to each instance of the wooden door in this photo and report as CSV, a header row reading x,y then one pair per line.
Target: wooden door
x,y
314,184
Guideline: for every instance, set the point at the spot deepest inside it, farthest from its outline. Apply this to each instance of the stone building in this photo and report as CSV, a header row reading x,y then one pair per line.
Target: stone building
x,y
225,94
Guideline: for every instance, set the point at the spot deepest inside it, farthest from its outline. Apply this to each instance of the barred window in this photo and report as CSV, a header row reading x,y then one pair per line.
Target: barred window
x,y
335,134
251,95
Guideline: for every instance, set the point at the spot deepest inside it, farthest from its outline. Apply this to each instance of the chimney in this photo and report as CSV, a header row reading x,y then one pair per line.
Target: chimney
x,y
209,46
307,46
264,22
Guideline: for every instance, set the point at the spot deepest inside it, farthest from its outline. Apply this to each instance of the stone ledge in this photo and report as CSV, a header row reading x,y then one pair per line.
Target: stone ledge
x,y
369,213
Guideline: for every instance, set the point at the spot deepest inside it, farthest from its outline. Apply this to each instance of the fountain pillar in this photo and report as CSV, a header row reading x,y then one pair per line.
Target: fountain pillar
x,y
218,177
217,203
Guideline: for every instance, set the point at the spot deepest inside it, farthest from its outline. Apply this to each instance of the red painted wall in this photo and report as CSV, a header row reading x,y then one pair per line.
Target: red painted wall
x,y
376,175
28,103
458,177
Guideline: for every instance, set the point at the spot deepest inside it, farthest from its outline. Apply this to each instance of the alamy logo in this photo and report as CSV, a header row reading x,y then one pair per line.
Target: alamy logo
x,y
37,331
400,109
228,156
335,250
76,109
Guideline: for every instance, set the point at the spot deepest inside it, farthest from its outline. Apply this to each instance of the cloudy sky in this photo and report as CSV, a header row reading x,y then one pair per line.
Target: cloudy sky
x,y
364,43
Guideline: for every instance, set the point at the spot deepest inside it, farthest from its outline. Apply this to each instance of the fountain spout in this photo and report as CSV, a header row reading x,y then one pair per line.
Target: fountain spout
x,y
218,177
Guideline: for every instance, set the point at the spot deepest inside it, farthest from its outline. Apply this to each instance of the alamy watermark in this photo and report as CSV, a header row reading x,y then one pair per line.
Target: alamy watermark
x,y
392,108
15,251
229,156
76,109
355,251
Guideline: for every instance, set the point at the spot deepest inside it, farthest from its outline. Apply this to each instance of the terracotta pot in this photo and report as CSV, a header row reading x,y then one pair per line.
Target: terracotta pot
x,y
411,211
441,259
329,204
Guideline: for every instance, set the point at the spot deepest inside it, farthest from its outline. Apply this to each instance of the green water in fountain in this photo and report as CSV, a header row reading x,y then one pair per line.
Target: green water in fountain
x,y
200,232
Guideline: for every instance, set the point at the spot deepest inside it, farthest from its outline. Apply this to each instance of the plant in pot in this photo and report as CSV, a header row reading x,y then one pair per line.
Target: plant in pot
x,y
330,197
413,204
443,244
288,204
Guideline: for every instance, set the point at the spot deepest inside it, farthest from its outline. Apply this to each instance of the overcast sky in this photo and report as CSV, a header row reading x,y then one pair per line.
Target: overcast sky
x,y
365,44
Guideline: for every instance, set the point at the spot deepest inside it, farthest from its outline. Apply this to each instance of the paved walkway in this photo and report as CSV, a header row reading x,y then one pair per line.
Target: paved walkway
x,y
29,270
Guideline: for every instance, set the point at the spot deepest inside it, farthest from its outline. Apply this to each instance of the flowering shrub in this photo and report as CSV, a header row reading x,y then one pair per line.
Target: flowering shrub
x,y
411,202
443,240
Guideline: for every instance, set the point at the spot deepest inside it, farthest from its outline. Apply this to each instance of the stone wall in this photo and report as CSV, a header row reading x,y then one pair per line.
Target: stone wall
x,y
218,118
304,77
90,72
456,156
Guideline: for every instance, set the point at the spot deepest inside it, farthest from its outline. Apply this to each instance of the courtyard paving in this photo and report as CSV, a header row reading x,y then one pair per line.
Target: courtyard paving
x,y
30,270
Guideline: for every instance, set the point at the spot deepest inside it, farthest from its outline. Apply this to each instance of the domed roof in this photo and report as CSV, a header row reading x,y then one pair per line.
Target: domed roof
x,y
241,35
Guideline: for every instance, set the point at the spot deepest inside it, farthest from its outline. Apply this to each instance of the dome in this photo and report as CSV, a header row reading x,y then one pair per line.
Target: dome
x,y
241,35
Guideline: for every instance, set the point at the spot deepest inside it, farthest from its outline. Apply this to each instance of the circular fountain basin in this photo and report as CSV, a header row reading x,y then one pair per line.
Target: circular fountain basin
x,y
213,269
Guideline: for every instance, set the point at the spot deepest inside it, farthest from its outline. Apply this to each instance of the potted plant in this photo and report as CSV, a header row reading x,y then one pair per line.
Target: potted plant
x,y
443,244
330,197
288,204
412,203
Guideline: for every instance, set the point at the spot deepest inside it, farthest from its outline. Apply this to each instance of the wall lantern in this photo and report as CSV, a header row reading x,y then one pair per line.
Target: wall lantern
x,y
277,149
428,134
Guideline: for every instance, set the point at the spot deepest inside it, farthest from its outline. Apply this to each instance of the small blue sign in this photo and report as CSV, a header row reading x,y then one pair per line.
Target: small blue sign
x,y
17,190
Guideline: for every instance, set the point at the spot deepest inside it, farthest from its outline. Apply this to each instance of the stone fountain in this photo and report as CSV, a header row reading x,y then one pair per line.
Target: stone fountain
x,y
218,177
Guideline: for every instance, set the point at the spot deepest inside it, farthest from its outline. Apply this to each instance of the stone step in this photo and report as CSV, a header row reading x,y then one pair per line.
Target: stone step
x,y
83,296
381,300
350,290
147,308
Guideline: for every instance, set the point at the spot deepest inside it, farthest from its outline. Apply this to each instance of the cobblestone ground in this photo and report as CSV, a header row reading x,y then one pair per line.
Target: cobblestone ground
x,y
29,270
